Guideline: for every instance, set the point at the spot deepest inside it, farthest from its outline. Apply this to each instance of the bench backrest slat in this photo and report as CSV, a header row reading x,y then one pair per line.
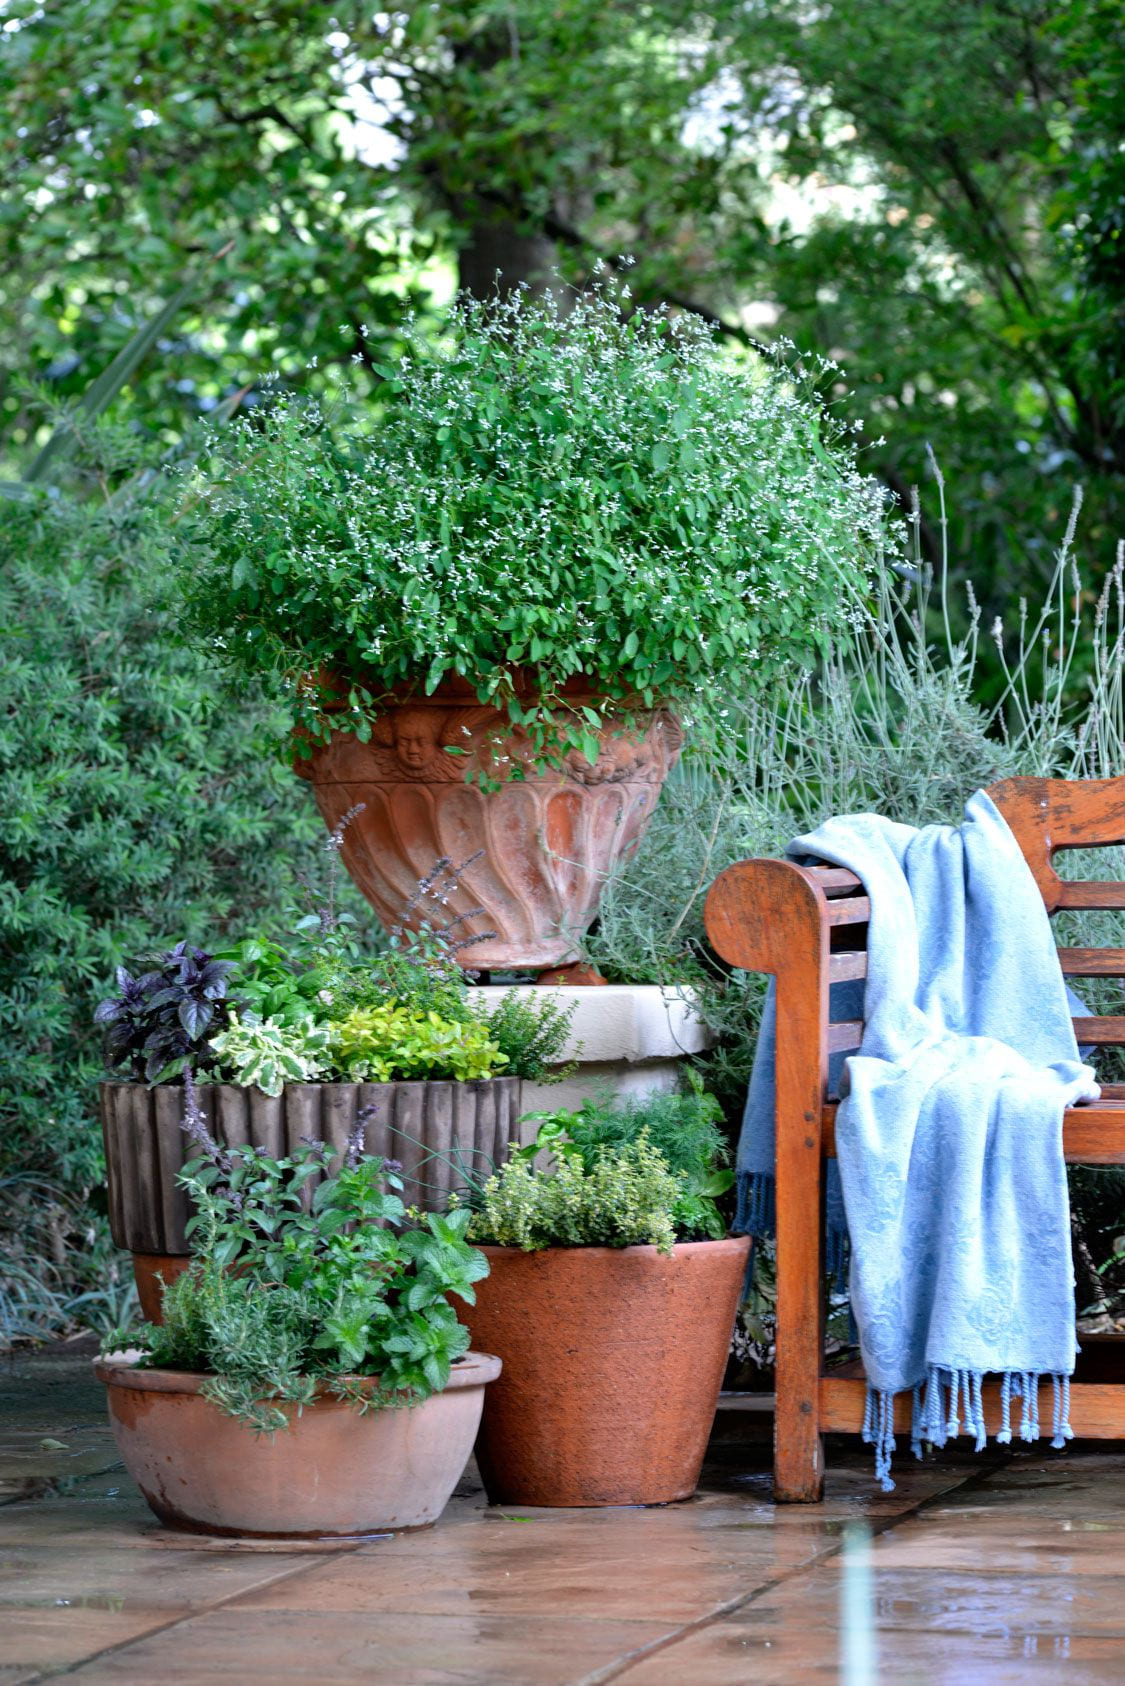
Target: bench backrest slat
x,y
1045,815
1092,962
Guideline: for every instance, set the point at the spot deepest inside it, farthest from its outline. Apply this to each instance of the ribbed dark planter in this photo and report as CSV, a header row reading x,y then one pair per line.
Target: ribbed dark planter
x,y
145,1146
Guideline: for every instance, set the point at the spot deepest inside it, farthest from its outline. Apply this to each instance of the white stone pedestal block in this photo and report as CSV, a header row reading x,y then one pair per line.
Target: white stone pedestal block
x,y
628,1039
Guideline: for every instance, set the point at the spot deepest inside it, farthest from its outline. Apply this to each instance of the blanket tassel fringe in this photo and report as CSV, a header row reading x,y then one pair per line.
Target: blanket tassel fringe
x,y
947,1397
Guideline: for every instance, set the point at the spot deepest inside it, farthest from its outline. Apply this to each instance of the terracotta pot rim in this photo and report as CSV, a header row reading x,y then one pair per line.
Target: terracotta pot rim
x,y
472,1369
731,1243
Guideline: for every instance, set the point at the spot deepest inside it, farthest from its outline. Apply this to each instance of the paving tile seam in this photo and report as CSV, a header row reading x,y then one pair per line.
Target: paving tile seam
x,y
123,1646
612,1671
879,1527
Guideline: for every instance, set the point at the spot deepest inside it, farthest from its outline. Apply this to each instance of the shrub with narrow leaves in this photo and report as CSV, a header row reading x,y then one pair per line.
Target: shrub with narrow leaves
x,y
137,806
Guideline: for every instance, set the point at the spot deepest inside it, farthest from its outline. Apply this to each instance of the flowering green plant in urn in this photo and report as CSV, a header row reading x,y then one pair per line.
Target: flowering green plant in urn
x,y
560,525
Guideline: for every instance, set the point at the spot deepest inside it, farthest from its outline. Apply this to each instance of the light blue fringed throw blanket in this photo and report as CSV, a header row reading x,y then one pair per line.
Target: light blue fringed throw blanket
x,y
951,1180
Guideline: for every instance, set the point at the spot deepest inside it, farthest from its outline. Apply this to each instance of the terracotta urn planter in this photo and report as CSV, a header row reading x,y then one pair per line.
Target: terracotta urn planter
x,y
548,839
333,1473
613,1359
146,1148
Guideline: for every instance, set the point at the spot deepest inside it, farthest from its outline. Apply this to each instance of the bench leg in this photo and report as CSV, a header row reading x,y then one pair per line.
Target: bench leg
x,y
798,1460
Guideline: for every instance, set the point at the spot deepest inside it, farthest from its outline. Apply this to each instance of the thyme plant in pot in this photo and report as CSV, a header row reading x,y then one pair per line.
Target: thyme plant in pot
x,y
310,1376
490,606
611,1299
304,1036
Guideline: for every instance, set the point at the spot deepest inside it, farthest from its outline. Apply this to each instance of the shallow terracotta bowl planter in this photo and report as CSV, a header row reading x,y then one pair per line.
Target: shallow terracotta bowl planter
x,y
332,1474
613,1359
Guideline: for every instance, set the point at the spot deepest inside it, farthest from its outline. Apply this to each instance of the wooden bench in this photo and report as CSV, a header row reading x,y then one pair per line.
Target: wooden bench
x,y
808,927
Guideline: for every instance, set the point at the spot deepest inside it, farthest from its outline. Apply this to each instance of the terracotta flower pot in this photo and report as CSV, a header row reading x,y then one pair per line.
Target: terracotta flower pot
x,y
549,839
613,1359
332,1473
145,1147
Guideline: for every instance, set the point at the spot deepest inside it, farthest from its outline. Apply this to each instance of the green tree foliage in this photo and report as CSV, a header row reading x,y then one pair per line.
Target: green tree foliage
x,y
137,805
140,134
943,217
930,193
340,149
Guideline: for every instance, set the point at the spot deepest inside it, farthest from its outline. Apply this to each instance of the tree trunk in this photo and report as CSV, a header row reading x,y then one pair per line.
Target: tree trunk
x,y
497,256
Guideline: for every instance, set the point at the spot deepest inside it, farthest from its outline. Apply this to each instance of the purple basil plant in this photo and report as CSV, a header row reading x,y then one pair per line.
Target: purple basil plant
x,y
162,1018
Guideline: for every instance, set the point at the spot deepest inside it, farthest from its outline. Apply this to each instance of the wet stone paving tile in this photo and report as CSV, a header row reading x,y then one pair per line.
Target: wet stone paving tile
x,y
1002,1568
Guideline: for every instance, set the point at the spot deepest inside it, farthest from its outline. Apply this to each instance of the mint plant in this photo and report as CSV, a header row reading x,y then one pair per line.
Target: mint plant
x,y
288,1296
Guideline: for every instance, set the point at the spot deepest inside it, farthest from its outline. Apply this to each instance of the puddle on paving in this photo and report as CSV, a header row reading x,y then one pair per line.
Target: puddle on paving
x,y
831,1526
88,1601
77,1488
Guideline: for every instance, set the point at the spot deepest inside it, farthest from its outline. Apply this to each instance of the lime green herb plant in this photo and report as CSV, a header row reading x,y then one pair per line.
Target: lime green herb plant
x,y
597,493
382,1043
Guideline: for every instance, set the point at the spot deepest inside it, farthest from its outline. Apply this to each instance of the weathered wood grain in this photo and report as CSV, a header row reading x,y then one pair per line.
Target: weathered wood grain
x,y
1100,1032
776,917
1047,815
852,910
845,1035
1097,1409
835,880
1088,893
847,965
172,1148
1092,962
431,1128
